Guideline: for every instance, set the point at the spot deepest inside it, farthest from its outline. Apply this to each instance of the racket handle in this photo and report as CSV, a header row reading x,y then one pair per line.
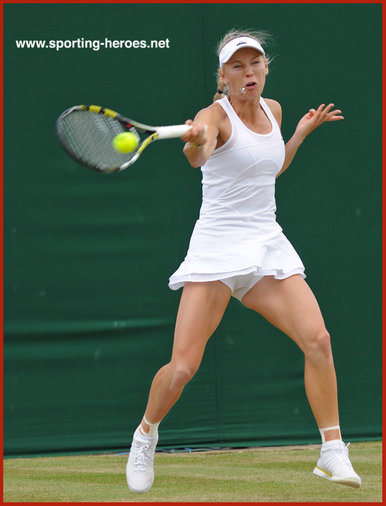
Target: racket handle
x,y
170,132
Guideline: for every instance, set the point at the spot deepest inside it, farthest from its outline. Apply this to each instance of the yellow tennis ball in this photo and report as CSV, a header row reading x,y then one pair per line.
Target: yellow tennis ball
x,y
125,142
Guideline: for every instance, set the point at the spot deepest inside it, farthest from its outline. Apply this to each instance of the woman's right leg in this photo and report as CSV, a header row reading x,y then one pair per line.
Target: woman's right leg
x,y
201,308
200,311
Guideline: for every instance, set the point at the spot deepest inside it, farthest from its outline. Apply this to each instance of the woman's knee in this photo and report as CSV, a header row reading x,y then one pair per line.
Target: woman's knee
x,y
318,344
181,374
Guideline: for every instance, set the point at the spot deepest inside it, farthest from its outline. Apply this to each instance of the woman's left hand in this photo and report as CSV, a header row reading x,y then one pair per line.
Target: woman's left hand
x,y
315,118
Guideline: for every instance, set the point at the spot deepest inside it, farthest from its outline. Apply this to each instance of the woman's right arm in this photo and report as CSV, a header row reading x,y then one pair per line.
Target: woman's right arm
x,y
201,139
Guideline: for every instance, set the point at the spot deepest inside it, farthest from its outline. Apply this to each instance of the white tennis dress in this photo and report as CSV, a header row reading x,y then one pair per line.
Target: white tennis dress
x,y
237,232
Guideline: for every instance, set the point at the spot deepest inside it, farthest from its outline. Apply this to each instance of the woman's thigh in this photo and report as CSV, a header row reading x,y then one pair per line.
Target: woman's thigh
x,y
200,311
290,305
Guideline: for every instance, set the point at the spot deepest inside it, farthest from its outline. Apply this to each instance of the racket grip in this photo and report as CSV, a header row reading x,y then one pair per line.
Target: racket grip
x,y
172,131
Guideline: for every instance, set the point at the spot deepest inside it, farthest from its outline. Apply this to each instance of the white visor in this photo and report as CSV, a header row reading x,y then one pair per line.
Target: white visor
x,y
234,45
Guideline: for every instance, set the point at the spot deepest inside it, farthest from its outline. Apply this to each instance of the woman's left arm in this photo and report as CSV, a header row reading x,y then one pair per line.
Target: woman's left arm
x,y
306,125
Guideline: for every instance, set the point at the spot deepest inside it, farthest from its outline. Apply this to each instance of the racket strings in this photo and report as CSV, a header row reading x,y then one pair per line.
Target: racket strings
x,y
89,136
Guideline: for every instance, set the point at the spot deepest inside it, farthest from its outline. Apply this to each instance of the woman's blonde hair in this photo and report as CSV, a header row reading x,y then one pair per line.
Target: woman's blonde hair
x,y
262,37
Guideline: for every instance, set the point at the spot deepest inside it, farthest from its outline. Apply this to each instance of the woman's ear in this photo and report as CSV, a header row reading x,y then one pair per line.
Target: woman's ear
x,y
222,77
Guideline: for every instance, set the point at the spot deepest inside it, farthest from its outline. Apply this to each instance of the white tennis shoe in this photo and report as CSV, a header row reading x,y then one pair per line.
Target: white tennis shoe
x,y
334,465
140,464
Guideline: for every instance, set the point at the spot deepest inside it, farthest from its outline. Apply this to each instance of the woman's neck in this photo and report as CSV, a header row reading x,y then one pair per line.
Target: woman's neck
x,y
246,108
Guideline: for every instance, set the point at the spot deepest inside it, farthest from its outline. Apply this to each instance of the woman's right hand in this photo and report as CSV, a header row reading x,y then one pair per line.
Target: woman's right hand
x,y
201,138
196,135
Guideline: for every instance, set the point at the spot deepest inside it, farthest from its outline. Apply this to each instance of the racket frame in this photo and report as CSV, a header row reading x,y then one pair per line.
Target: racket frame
x,y
161,132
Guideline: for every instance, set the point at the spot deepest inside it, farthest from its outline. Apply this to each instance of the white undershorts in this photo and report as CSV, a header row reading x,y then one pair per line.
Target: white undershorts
x,y
241,283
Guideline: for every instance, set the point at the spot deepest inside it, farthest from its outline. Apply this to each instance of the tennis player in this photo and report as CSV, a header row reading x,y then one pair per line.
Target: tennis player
x,y
238,249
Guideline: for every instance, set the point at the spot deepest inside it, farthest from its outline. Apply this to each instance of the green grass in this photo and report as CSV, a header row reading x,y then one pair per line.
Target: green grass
x,y
280,474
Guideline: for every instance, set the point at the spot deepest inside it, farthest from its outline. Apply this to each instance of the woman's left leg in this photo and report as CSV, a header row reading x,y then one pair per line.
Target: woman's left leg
x,y
290,305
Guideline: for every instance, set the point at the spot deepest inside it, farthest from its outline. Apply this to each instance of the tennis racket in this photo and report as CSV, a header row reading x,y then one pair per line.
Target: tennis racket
x,y
87,132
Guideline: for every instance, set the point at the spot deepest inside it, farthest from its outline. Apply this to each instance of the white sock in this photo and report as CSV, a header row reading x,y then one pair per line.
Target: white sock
x,y
153,428
322,431
331,444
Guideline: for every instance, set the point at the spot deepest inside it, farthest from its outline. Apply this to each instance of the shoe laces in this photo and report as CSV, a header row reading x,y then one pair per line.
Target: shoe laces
x,y
341,453
141,456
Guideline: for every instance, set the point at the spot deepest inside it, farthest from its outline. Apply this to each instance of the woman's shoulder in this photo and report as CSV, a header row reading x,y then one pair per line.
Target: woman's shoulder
x,y
273,105
214,112
213,109
275,108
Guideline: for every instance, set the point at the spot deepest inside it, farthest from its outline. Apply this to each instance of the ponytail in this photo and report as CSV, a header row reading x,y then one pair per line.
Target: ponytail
x,y
221,87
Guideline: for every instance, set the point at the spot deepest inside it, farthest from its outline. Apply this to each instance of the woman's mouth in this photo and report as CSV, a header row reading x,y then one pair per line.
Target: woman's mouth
x,y
249,86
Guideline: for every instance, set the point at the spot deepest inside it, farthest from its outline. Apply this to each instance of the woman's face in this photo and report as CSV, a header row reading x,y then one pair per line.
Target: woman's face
x,y
246,69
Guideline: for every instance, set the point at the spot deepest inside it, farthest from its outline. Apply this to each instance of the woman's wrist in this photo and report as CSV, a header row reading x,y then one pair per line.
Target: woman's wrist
x,y
299,137
195,145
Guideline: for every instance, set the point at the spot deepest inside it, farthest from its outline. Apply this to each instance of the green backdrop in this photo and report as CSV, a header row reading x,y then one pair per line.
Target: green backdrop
x,y
88,314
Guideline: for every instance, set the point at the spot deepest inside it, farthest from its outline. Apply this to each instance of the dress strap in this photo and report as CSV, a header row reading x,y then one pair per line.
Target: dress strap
x,y
230,112
268,112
